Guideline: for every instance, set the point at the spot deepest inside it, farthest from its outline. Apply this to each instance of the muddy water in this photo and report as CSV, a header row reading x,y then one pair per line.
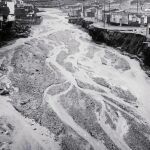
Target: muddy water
x,y
103,96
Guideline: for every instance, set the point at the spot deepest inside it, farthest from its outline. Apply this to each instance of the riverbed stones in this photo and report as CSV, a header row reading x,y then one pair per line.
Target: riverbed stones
x,y
125,94
91,52
68,139
69,67
6,133
101,81
33,73
89,86
82,108
32,76
115,61
29,75
122,64
58,88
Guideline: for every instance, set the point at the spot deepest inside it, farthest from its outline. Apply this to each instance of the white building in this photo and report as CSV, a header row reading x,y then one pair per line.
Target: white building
x,y
8,5
148,31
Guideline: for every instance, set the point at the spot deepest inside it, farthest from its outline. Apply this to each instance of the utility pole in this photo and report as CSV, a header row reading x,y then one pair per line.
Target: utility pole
x,y
104,14
109,11
120,4
137,6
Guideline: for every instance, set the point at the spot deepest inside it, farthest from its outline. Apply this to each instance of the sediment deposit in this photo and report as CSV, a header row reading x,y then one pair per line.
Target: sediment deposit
x,y
64,92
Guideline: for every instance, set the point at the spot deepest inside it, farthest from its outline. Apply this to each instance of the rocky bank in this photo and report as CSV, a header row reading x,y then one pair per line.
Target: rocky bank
x,y
14,32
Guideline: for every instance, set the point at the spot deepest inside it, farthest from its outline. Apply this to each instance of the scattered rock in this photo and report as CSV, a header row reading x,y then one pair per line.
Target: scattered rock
x,y
58,88
89,86
4,93
82,108
125,94
122,64
104,61
101,81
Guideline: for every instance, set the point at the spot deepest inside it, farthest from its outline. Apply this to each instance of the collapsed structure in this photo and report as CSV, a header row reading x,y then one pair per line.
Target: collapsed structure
x,y
12,11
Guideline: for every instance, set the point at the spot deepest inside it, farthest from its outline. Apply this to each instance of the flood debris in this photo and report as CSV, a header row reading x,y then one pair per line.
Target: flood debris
x,y
16,18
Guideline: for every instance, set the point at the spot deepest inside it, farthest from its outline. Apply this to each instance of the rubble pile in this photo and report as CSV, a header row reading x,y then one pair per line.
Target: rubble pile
x,y
18,31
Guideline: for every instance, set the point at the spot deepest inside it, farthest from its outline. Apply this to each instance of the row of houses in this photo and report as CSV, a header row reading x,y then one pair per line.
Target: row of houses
x,y
80,10
123,17
126,17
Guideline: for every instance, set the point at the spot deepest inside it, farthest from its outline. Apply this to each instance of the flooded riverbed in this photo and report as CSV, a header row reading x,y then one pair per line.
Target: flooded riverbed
x,y
81,95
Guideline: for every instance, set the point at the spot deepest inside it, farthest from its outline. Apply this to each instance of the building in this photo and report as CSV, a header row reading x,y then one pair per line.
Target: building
x,y
122,15
7,12
90,12
129,18
106,15
24,10
146,6
137,18
116,17
75,10
99,14
148,31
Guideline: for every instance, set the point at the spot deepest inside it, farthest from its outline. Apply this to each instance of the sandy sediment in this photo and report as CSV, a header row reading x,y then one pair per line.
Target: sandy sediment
x,y
31,76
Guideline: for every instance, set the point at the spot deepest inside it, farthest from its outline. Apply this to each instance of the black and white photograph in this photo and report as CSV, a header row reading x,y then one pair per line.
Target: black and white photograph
x,y
74,74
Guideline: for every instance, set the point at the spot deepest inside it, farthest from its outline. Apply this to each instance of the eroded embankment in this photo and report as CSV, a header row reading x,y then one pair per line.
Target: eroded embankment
x,y
12,33
129,42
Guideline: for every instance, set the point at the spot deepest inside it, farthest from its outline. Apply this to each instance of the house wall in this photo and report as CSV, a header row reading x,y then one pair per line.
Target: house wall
x,y
125,19
75,13
1,18
98,15
11,16
128,19
8,11
148,31
139,20
148,19
11,6
143,20
90,12
115,18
